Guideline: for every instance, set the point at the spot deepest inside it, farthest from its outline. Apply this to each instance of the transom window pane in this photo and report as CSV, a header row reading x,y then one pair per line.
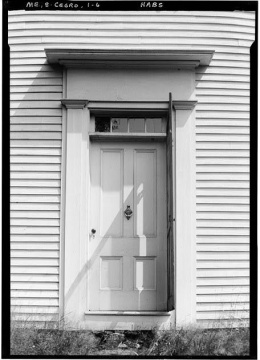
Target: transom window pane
x,y
119,125
102,124
130,125
154,125
136,125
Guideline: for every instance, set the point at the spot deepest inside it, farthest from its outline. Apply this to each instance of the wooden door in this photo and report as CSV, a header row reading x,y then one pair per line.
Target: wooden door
x,y
128,257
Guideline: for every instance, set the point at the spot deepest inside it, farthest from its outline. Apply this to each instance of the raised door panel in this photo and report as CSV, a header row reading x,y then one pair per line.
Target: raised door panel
x,y
111,219
145,191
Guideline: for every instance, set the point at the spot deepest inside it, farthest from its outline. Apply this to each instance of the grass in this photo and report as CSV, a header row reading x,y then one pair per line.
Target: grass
x,y
34,341
31,340
201,342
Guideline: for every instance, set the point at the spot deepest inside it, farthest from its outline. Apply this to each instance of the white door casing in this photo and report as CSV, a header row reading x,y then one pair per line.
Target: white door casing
x,y
127,257
75,263
145,85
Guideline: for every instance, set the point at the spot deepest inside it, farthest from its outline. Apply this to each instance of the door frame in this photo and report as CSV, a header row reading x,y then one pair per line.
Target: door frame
x,y
74,267
142,144
76,141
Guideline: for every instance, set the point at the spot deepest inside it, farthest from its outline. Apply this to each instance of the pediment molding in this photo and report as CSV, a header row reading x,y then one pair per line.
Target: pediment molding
x,y
184,105
160,59
127,106
74,103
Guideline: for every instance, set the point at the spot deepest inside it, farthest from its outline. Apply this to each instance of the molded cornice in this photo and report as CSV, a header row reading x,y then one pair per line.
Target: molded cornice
x,y
184,105
74,103
129,58
127,106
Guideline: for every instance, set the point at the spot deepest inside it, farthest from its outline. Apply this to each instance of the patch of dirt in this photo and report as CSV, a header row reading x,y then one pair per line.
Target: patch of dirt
x,y
121,343
115,352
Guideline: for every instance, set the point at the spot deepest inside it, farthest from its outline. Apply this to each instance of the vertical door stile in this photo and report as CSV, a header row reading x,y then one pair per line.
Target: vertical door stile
x,y
170,158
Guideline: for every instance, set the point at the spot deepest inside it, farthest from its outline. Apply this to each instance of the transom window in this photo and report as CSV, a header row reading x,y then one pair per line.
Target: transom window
x,y
149,125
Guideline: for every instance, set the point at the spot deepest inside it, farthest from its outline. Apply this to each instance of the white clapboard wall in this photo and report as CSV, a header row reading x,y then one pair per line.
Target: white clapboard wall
x,y
222,145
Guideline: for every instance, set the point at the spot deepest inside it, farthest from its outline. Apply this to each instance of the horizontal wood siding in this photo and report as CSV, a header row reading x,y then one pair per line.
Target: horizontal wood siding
x,y
222,144
222,158
35,126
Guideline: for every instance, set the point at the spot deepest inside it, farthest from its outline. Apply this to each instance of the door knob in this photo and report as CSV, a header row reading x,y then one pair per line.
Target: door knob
x,y
93,231
128,212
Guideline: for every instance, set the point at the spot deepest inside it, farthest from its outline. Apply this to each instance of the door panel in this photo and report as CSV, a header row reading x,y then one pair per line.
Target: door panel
x,y
145,192
145,273
111,222
111,273
127,258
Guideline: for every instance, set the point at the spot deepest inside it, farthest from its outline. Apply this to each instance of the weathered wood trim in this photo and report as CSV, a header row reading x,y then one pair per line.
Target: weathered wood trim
x,y
126,137
124,107
74,103
63,203
129,58
184,105
185,214
130,64
129,321
76,208
129,313
96,106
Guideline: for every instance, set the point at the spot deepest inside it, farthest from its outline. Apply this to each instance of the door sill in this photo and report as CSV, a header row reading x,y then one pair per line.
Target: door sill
x,y
129,313
129,320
